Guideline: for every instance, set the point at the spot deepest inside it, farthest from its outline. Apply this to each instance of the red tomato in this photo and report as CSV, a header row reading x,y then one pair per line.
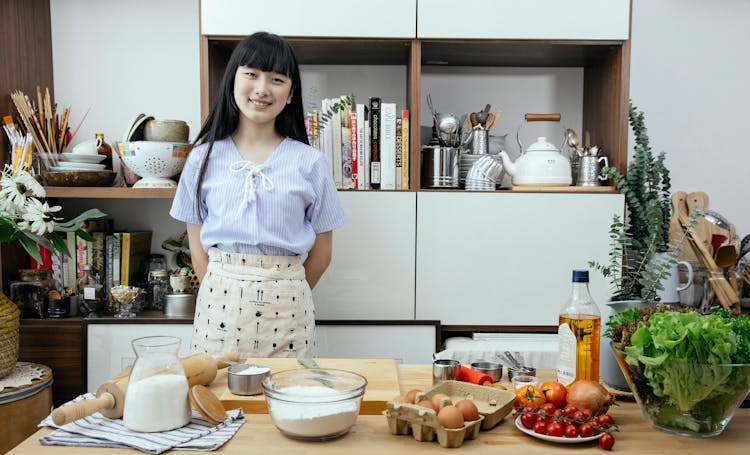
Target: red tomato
x,y
569,410
549,408
540,427
555,429
571,431
554,393
528,420
607,441
579,417
586,430
605,421
586,413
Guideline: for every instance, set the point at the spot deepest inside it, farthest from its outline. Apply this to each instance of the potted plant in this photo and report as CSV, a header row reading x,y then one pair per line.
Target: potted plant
x,y
641,255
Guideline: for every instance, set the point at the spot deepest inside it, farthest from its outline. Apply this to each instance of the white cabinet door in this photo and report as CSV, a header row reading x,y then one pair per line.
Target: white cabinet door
x,y
527,19
332,18
371,275
506,259
108,349
405,343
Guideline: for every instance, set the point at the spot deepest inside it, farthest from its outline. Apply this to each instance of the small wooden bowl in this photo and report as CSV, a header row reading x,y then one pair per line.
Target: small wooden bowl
x,y
79,178
166,131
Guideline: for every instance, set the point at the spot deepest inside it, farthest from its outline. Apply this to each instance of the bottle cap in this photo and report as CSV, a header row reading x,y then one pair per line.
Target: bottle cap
x,y
580,276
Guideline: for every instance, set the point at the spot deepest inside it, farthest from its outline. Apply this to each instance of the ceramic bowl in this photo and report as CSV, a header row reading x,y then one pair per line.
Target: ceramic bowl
x,y
166,131
154,161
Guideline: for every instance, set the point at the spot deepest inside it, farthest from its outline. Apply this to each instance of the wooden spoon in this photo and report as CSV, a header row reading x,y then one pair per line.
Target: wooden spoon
x,y
493,118
726,255
473,118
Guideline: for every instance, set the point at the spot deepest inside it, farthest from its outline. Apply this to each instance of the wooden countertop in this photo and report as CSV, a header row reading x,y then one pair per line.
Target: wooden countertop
x,y
371,435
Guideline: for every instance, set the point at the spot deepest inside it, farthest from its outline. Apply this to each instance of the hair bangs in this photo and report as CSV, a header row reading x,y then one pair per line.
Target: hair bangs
x,y
269,55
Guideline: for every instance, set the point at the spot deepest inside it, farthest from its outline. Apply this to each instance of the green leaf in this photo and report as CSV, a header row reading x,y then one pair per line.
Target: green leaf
x,y
59,244
84,235
75,224
30,247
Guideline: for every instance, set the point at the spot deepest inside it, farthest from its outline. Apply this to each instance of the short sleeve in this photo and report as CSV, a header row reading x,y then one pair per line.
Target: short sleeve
x,y
325,213
183,205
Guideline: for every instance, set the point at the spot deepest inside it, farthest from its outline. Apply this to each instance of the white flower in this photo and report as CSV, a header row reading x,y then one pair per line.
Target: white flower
x,y
40,215
17,189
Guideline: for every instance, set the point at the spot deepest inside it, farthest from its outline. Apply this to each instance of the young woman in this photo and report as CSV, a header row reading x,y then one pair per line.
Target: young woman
x,y
256,199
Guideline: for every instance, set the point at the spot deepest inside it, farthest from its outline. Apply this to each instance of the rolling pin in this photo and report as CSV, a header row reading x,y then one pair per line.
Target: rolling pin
x,y
200,369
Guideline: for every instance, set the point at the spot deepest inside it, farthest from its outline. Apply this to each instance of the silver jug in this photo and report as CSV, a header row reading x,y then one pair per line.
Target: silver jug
x,y
588,170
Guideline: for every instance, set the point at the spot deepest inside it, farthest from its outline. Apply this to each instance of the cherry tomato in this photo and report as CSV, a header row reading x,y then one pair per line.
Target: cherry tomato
x,y
558,414
586,413
540,427
605,421
607,441
586,430
571,431
554,393
555,429
527,409
529,395
528,420
579,417
549,408
569,410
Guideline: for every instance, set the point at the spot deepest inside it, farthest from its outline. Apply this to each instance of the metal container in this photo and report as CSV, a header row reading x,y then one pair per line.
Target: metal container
x,y
445,370
246,379
440,167
179,305
492,369
527,371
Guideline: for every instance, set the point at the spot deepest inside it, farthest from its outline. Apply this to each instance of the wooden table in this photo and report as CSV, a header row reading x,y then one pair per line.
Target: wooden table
x,y
371,435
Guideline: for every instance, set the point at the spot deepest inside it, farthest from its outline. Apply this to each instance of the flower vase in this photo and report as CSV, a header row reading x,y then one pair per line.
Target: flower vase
x,y
609,370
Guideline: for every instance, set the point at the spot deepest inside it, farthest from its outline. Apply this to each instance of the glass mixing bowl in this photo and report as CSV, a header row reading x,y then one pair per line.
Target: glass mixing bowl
x,y
315,404
683,398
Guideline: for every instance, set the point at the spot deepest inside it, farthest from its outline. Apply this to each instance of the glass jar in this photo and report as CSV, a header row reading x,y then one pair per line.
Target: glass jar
x,y
91,296
157,397
158,287
30,292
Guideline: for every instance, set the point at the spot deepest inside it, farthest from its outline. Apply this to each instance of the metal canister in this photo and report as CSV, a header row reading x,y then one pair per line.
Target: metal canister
x,y
440,167
158,287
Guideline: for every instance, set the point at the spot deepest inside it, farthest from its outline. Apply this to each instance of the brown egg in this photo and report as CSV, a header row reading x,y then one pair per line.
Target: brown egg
x,y
450,417
411,395
468,409
427,404
437,398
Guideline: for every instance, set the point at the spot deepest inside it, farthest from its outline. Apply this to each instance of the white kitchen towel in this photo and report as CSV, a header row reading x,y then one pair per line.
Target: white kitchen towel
x,y
99,431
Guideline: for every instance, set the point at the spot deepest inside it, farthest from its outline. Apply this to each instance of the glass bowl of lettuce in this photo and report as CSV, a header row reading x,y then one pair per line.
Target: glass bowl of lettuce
x,y
688,372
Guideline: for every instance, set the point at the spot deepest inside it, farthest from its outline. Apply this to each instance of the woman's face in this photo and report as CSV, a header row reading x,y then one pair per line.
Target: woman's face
x,y
261,95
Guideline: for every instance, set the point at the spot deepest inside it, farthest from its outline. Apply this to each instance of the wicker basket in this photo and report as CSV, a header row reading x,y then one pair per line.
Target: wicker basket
x,y
8,351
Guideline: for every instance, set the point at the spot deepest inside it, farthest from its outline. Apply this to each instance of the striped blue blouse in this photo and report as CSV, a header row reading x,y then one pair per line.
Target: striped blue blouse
x,y
273,209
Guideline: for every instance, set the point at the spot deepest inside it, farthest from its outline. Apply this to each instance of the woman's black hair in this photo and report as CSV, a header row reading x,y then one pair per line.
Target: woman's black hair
x,y
266,52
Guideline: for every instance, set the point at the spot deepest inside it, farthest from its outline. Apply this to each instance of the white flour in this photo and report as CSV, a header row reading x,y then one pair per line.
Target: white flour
x,y
252,369
157,403
310,419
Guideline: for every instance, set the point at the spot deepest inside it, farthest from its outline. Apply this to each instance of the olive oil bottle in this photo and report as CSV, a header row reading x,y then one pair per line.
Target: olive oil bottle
x,y
579,326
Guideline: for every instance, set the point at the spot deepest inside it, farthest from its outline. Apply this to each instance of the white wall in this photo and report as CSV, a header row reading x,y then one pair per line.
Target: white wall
x,y
689,73
120,58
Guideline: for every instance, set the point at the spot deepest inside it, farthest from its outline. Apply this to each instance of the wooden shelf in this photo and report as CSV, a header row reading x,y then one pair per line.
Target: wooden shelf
x,y
109,193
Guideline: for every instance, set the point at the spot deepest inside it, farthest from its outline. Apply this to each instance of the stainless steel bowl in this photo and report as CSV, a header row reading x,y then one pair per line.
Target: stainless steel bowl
x,y
246,379
529,371
492,369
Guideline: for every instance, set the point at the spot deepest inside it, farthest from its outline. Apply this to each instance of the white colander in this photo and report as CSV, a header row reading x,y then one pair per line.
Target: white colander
x,y
154,161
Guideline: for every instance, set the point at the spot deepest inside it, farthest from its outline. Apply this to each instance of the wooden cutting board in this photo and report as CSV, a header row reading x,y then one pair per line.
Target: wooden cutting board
x,y
381,374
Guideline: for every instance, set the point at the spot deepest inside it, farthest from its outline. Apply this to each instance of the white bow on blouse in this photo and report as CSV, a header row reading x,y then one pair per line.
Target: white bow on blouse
x,y
253,170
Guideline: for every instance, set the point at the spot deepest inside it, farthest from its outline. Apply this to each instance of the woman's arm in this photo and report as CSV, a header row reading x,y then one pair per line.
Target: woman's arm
x,y
198,257
318,258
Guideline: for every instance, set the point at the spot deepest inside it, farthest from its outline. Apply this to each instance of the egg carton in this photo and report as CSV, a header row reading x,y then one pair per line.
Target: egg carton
x,y
492,403
422,423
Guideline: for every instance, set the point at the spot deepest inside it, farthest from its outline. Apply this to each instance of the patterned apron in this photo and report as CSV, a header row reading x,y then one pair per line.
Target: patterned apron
x,y
259,306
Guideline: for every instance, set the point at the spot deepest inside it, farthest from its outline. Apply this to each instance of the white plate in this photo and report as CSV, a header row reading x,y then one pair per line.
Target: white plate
x,y
557,439
80,166
83,158
65,169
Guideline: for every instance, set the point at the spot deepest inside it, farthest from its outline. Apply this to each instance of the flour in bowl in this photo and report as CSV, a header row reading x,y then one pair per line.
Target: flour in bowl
x,y
309,418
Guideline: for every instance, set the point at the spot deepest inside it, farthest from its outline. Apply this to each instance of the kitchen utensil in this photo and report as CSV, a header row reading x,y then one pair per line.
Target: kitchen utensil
x,y
482,117
155,162
479,141
717,219
513,361
431,106
166,131
523,380
697,202
492,119
245,378
200,369
179,305
572,139
445,370
301,409
588,170
726,255
493,369
473,119
744,247
440,167
675,230
473,376
207,405
513,372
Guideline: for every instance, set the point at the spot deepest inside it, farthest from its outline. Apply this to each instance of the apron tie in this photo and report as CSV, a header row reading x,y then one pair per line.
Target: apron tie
x,y
253,170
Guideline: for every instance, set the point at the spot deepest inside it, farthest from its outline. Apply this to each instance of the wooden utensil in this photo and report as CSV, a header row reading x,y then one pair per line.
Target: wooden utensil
x,y
698,200
200,369
493,118
676,235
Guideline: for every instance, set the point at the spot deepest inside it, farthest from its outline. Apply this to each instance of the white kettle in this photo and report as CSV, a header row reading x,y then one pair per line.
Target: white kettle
x,y
541,164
